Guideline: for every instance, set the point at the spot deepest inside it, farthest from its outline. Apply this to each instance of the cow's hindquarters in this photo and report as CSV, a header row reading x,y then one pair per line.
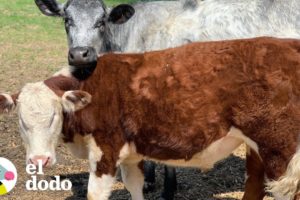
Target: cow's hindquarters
x,y
287,186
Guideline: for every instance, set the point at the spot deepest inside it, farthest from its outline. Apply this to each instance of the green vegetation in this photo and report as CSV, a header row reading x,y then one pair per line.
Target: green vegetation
x,y
21,21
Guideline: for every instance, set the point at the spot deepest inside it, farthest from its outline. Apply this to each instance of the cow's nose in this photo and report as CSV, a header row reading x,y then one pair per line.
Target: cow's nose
x,y
82,56
45,160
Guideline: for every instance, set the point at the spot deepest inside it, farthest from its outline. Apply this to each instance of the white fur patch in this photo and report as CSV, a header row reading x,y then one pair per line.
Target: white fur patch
x,y
132,176
218,150
65,71
68,105
40,119
133,179
287,185
95,153
124,153
235,132
99,188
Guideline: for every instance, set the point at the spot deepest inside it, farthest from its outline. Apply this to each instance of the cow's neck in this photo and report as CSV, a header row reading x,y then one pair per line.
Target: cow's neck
x,y
109,81
133,36
117,38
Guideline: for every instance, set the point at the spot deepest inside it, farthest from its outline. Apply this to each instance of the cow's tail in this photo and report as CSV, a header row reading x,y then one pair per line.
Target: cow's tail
x,y
287,186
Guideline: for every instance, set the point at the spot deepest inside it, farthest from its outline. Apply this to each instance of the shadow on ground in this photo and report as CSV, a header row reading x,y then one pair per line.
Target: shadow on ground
x,y
226,177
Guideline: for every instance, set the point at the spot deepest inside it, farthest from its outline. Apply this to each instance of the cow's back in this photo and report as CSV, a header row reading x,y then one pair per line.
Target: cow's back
x,y
159,25
187,94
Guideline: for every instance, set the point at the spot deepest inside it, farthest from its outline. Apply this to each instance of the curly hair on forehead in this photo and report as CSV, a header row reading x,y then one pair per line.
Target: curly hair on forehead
x,y
91,3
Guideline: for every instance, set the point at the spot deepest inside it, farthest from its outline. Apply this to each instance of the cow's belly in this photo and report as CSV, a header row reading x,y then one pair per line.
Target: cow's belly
x,y
215,152
206,159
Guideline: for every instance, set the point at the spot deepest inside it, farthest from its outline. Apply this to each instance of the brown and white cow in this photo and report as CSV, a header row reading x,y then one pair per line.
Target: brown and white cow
x,y
189,106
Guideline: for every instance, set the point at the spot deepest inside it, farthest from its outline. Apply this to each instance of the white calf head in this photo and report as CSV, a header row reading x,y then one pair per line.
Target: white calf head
x,y
40,112
40,118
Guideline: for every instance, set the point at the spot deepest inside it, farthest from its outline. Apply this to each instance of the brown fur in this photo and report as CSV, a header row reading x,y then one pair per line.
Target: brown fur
x,y
5,106
174,103
60,83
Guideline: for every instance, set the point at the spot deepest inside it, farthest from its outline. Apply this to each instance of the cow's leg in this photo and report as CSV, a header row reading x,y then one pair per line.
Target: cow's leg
x,y
103,168
149,173
170,183
133,179
254,186
99,187
278,145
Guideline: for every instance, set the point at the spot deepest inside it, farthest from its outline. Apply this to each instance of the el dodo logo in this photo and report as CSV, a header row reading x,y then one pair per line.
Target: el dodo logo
x,y
8,176
53,185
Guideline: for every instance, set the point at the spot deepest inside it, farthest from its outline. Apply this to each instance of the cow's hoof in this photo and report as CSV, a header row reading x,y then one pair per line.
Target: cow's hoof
x,y
148,187
92,197
89,197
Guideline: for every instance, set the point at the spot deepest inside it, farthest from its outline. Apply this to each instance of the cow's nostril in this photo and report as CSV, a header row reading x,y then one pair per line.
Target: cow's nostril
x,y
86,53
71,56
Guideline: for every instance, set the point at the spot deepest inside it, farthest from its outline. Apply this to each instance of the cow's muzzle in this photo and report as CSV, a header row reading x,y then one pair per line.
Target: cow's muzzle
x,y
83,61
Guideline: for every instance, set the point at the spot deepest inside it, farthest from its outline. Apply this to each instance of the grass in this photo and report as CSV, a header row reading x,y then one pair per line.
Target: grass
x,y
21,21
33,46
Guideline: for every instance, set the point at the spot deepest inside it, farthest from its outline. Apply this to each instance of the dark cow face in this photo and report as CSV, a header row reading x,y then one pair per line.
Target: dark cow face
x,y
87,26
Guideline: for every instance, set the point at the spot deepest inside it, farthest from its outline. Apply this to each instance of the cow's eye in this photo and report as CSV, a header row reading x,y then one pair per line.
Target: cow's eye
x,y
100,25
68,22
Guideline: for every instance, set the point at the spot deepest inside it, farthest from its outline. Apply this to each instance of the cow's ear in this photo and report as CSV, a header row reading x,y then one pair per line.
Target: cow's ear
x,y
121,14
75,100
8,102
49,7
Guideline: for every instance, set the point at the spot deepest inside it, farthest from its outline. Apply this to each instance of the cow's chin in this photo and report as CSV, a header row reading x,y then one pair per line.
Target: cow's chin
x,y
82,72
